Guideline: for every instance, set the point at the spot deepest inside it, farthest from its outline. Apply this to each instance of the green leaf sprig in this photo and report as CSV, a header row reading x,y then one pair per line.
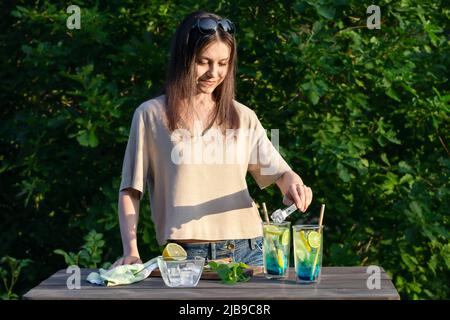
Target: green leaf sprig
x,y
230,273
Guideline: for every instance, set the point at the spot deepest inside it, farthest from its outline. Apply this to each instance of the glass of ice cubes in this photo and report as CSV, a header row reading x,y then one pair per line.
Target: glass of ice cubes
x,y
181,273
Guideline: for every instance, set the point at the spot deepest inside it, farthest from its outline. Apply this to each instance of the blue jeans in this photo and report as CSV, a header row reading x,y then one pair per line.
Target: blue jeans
x,y
248,251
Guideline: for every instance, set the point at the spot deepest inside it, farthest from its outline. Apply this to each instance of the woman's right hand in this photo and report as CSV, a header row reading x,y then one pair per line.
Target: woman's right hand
x,y
126,260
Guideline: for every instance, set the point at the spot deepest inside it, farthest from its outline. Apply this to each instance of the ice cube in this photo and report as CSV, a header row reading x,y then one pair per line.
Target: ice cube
x,y
186,277
174,275
189,266
196,270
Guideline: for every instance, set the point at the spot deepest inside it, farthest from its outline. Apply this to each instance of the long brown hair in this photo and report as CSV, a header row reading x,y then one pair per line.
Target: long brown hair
x,y
180,86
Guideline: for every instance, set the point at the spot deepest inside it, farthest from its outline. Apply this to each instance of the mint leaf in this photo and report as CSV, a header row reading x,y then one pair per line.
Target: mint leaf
x,y
230,273
213,264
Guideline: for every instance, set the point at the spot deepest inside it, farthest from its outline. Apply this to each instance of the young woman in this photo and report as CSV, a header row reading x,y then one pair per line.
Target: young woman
x,y
192,147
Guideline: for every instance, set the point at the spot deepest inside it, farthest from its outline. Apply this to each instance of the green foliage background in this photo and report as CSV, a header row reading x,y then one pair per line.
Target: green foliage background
x,y
363,117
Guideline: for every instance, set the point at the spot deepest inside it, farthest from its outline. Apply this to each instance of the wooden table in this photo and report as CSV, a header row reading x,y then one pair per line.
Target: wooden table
x,y
336,283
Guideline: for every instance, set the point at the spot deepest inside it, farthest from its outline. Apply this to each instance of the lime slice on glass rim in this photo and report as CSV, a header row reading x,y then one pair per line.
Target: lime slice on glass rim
x,y
314,239
272,230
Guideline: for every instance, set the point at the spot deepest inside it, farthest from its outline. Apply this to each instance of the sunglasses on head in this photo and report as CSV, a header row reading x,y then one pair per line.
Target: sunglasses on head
x,y
210,25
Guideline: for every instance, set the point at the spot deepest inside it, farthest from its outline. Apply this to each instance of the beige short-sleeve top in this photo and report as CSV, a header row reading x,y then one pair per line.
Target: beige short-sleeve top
x,y
196,182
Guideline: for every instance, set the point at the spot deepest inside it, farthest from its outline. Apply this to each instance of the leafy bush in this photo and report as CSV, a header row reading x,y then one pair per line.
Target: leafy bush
x,y
363,118
10,275
90,254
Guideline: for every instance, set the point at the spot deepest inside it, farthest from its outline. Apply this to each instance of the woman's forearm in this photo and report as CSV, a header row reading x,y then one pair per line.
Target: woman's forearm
x,y
129,202
287,179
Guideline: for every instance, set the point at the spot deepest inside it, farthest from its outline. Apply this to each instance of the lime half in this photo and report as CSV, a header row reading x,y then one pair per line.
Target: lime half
x,y
285,238
314,239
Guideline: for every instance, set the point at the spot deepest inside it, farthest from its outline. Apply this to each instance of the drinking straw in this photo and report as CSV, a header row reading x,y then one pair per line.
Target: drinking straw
x,y
266,215
322,210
